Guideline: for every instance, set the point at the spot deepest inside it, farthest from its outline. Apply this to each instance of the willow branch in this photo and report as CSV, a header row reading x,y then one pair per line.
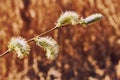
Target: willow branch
x,y
32,39
3,54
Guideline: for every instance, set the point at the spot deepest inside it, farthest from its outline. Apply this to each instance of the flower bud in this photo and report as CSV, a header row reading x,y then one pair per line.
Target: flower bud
x,y
91,19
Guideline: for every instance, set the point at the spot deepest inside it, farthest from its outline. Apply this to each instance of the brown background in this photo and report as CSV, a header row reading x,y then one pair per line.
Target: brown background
x,y
85,54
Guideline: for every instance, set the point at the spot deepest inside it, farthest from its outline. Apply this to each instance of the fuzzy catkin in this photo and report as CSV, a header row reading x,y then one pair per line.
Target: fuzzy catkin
x,y
49,45
19,45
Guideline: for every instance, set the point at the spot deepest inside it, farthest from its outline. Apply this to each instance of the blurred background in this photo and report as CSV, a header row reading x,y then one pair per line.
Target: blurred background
x,y
85,54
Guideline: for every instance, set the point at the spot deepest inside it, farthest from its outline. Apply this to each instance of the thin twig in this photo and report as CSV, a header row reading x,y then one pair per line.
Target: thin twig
x,y
43,33
3,54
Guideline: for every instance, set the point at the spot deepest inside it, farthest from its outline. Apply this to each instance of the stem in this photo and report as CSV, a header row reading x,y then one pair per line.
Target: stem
x,y
43,33
32,39
3,54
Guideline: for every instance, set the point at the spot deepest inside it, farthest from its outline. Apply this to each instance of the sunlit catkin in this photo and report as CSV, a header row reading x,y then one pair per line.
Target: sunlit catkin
x,y
68,18
50,45
19,45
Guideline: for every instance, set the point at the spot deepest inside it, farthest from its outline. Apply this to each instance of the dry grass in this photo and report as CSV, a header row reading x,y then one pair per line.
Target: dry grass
x,y
85,54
